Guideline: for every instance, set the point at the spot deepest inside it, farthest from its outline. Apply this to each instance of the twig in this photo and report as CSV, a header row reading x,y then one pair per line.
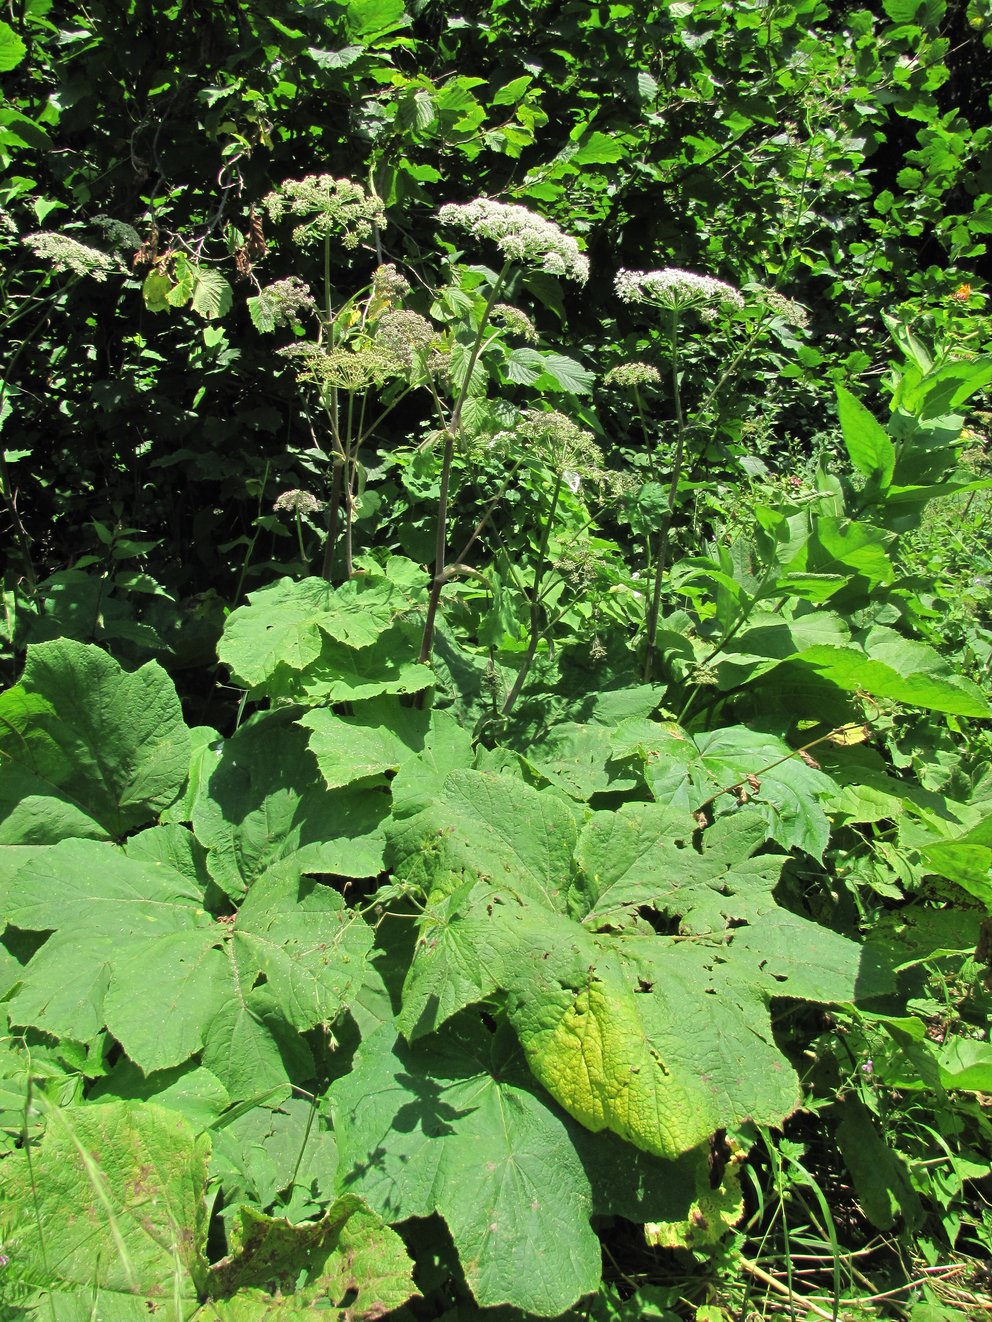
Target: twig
x,y
948,1269
761,1275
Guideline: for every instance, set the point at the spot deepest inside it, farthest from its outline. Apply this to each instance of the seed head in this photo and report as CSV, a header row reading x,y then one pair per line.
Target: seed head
x,y
388,283
344,369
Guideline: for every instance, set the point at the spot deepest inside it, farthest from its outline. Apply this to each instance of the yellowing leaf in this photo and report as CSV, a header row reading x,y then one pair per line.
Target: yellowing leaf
x,y
592,1052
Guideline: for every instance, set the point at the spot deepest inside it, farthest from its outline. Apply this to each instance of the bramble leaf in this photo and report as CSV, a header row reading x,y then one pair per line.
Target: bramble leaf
x,y
12,48
212,295
886,665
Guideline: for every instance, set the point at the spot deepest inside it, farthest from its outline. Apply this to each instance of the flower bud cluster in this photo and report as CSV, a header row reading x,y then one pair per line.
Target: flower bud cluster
x,y
285,302
791,312
404,336
121,236
563,446
332,208
515,321
388,283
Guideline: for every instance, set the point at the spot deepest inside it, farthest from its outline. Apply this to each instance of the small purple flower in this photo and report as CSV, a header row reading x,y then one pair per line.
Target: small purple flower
x,y
4,1260
868,1067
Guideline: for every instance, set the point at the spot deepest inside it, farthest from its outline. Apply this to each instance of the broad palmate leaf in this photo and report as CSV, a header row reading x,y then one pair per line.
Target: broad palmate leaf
x,y
86,748
135,1178
263,807
311,639
658,1039
454,1125
695,771
133,949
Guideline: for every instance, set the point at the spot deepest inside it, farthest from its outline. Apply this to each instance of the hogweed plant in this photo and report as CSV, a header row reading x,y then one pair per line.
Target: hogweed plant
x,y
526,241
569,457
364,354
678,293
370,346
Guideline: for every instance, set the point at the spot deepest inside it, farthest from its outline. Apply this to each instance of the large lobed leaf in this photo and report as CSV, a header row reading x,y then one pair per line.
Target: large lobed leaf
x,y
657,1038
262,807
718,769
312,639
134,949
86,748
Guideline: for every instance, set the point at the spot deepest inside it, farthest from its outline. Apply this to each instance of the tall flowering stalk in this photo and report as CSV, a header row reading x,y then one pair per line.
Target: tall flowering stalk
x,y
367,344
524,239
573,457
676,292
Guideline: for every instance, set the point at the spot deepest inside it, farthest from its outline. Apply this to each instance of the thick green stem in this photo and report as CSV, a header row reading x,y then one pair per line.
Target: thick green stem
x,y
666,523
251,545
299,541
535,605
451,433
333,515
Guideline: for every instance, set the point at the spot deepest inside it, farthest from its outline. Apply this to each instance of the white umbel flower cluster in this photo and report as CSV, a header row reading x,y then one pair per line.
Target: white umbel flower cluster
x,y
633,374
298,502
66,254
675,289
333,208
520,235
